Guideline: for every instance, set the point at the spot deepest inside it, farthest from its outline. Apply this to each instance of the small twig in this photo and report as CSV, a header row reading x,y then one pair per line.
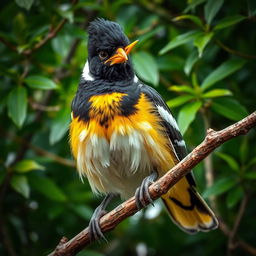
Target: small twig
x,y
165,82
38,106
37,150
52,156
52,33
128,208
232,235
49,36
156,9
235,52
239,243
8,44
6,238
140,32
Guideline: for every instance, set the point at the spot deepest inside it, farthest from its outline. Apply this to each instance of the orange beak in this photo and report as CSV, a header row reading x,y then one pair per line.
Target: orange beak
x,y
121,54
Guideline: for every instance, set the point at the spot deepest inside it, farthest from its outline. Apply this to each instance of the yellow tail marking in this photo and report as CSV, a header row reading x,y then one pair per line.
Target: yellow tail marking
x,y
189,216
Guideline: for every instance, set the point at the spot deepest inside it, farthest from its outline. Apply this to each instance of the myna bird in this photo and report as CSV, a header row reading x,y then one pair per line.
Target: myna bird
x,y
123,136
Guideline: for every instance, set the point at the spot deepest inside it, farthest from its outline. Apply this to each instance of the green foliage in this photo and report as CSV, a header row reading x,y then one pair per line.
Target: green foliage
x,y
221,186
187,115
40,82
224,70
202,61
20,184
146,67
27,165
17,105
211,8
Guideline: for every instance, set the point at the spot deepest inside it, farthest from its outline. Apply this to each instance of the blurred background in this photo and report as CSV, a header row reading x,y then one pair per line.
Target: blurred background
x,y
200,55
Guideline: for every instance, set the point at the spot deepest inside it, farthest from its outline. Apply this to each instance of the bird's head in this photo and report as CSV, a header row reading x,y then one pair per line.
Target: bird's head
x,y
108,49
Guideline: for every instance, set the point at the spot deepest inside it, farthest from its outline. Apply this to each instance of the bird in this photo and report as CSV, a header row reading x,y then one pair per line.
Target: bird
x,y
124,137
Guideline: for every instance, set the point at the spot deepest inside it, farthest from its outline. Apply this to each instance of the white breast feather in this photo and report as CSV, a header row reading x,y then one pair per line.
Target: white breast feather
x,y
120,164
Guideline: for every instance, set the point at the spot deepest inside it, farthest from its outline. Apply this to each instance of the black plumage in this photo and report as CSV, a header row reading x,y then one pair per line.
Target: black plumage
x,y
106,36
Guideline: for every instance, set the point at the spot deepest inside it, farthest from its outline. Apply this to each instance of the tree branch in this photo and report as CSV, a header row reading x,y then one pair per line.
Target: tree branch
x,y
235,52
161,186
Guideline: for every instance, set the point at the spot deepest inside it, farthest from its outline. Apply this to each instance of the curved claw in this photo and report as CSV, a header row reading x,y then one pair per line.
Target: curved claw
x,y
142,194
95,232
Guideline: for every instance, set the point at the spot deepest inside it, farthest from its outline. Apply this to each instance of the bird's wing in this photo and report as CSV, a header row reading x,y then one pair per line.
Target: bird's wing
x,y
177,143
184,204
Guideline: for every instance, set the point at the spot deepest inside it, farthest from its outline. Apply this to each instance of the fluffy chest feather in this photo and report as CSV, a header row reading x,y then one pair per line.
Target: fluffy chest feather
x,y
115,151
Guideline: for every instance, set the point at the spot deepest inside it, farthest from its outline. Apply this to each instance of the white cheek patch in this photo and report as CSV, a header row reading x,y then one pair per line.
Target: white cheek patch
x,y
135,79
167,117
86,72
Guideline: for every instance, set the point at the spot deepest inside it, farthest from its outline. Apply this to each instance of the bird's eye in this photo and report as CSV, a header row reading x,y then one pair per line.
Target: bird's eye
x,y
103,55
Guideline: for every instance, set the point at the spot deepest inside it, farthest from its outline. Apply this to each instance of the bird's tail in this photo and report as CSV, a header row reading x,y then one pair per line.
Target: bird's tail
x,y
187,208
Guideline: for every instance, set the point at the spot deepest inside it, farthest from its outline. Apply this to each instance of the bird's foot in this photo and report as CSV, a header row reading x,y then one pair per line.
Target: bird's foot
x,y
95,232
142,194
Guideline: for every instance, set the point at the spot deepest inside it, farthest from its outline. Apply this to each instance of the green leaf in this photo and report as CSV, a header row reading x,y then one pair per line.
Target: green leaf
x,y
211,8
193,18
146,67
229,160
83,211
234,196
201,41
61,44
180,100
217,93
182,88
24,3
230,108
60,125
191,60
40,82
20,184
27,165
187,115
219,187
47,187
224,70
67,14
251,162
180,40
147,36
250,175
170,62
17,105
192,4
229,21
